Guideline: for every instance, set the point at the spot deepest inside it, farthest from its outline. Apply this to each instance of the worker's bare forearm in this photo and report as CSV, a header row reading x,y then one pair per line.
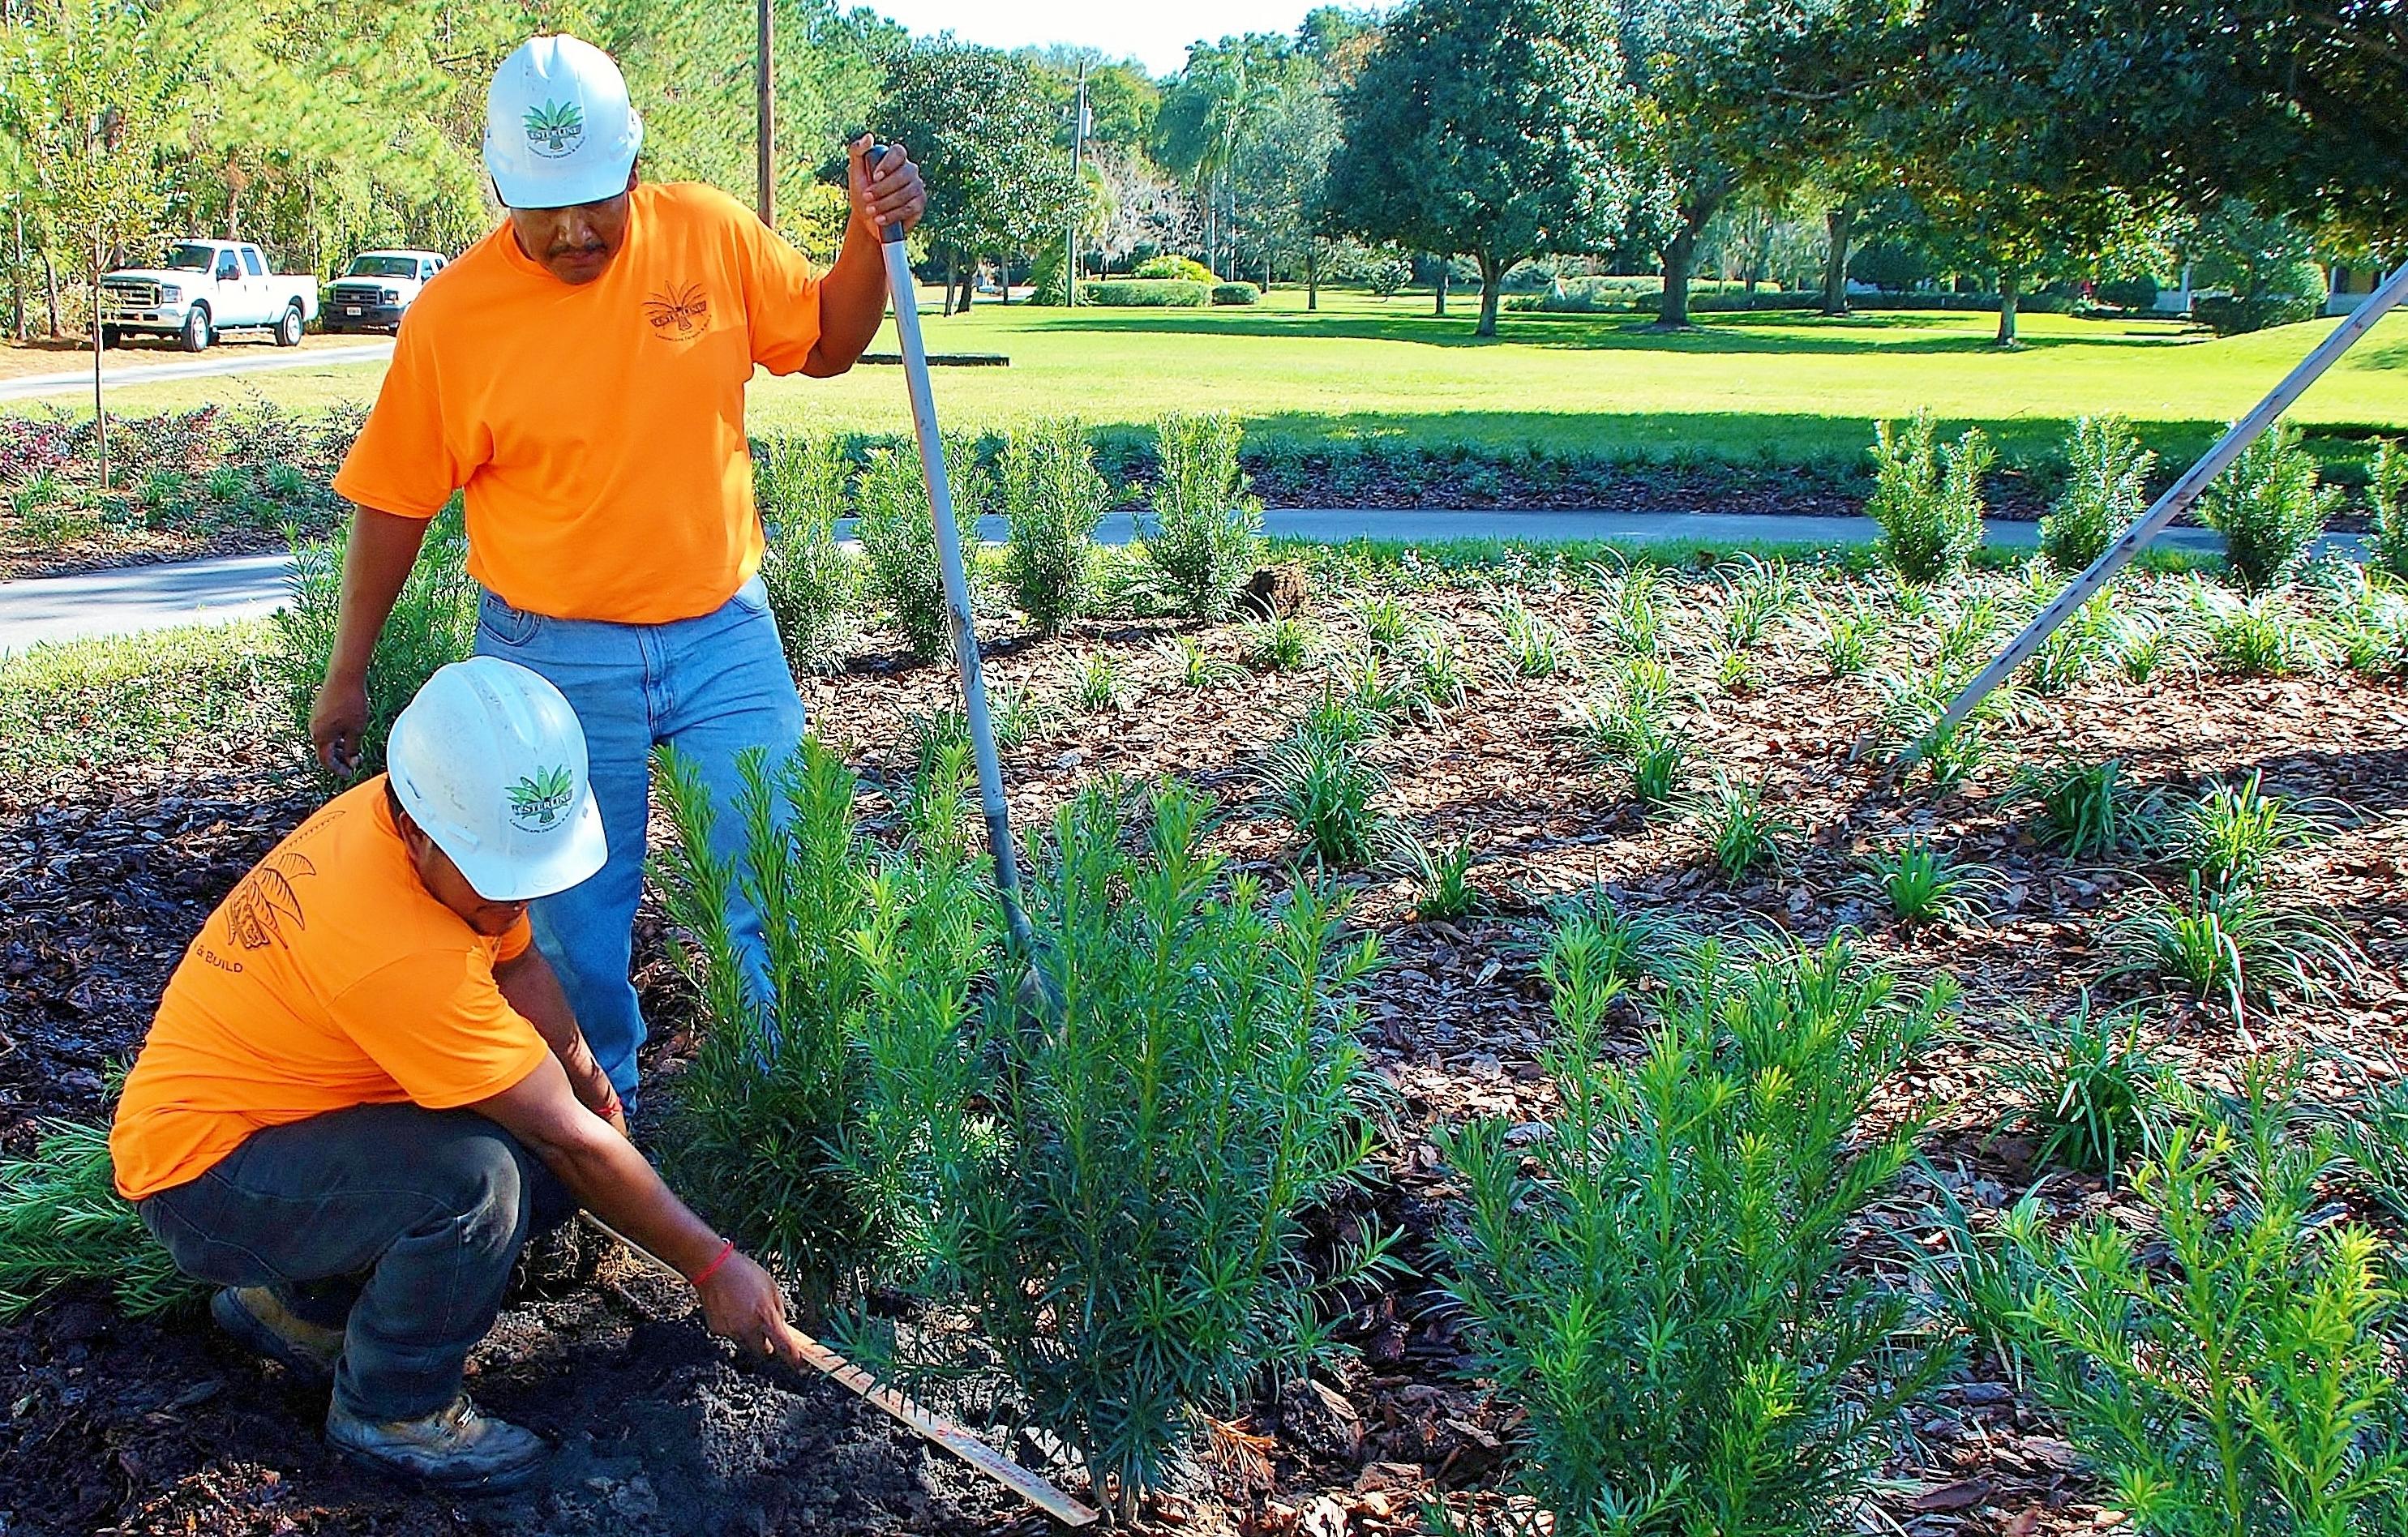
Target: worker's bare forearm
x,y
853,303
383,547
611,1180
531,987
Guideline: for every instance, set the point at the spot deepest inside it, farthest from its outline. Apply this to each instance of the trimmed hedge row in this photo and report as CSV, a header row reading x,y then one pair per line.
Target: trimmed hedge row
x,y
1145,294
1236,293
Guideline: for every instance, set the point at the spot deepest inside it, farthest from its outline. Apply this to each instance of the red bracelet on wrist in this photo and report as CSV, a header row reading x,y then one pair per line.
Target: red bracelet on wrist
x,y
727,1249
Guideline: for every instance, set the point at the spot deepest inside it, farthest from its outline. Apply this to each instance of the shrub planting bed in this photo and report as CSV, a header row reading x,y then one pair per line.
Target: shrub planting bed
x,y
1666,965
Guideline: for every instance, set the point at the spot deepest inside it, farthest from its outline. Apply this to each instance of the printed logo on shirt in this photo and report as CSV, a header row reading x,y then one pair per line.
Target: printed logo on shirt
x,y
680,313
256,911
537,801
554,129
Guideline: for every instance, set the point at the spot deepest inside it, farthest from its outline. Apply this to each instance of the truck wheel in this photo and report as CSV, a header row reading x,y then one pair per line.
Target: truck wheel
x,y
110,336
196,336
288,330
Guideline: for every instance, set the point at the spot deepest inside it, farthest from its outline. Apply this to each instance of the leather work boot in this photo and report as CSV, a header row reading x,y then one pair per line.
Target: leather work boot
x,y
259,1318
459,1448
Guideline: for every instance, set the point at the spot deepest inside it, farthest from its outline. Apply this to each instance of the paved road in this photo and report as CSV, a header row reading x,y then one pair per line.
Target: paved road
x,y
212,365
135,598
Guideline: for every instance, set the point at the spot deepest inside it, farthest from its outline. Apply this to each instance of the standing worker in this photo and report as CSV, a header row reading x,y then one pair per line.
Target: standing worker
x,y
580,373
363,1090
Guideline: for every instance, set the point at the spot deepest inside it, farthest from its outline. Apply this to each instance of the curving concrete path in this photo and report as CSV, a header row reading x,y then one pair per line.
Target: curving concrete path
x,y
131,599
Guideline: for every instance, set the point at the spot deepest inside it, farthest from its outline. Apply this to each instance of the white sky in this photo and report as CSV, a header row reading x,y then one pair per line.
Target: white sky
x,y
1156,32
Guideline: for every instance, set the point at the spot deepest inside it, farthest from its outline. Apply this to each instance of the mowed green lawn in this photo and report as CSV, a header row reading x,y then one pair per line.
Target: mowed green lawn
x,y
1787,385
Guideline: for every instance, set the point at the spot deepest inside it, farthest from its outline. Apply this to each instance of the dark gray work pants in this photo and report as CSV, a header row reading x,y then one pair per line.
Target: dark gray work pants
x,y
396,1225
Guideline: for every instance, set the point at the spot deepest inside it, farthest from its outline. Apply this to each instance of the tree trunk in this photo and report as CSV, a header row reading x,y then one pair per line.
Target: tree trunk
x,y
99,406
50,285
1003,277
1680,255
17,280
1840,222
1492,283
1444,263
1311,275
2009,291
953,276
969,286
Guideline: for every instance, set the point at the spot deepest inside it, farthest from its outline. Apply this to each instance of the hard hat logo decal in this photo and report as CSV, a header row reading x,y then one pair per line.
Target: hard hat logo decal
x,y
537,799
554,129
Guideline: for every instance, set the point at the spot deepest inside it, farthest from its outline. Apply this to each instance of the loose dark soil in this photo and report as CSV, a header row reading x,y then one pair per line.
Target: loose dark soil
x,y
123,1426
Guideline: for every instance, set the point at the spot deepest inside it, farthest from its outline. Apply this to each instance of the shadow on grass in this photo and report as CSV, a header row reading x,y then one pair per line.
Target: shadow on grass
x,y
1761,332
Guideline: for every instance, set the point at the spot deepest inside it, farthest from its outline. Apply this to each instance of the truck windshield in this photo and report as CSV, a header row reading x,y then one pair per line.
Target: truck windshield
x,y
382,266
191,258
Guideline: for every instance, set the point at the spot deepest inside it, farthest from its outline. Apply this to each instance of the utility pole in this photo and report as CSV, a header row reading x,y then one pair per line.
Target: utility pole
x,y
1078,194
765,122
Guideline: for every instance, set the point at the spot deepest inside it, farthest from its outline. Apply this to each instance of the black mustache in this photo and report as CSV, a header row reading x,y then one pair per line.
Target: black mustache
x,y
594,249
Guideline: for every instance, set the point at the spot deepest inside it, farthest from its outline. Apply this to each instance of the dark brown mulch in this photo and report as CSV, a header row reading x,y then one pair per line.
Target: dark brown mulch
x,y
661,1434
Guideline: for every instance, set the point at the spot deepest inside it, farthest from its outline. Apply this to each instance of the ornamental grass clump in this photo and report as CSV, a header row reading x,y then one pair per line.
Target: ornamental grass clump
x,y
1052,497
1659,1284
1927,498
62,1221
800,485
1203,531
777,1084
2106,491
1321,781
2271,507
1112,1197
434,623
2094,1097
2226,1370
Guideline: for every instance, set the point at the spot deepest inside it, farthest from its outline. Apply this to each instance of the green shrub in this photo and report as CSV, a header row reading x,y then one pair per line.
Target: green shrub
x,y
1114,1202
2233,315
1144,294
1101,687
1203,532
1053,497
62,1220
433,623
1534,645
2093,1097
799,485
2270,507
84,711
1742,831
2232,946
2085,804
776,1087
1666,1299
1181,269
2386,502
2139,293
900,568
2228,1374
1919,884
2232,834
1447,889
2106,491
1321,782
1237,293
2374,1136
1928,499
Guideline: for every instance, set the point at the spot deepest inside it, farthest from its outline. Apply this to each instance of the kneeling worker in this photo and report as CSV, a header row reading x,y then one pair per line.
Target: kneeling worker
x,y
364,1089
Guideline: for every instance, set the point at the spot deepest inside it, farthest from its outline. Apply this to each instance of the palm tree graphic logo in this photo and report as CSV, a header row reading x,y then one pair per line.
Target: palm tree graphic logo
x,y
537,799
553,129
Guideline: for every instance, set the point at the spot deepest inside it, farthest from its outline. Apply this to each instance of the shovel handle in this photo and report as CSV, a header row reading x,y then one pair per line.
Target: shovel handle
x,y
875,158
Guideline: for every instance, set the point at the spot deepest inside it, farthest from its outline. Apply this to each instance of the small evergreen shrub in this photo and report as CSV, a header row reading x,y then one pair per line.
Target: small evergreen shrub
x,y
2233,315
1203,531
2271,507
1144,294
1182,268
1052,497
900,568
1114,1200
1237,293
1659,1283
2228,1374
2106,491
777,1084
1928,499
800,485
2386,501
433,623
62,1220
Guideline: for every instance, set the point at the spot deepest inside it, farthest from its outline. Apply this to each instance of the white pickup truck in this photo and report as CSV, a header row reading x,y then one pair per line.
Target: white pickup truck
x,y
377,288
206,287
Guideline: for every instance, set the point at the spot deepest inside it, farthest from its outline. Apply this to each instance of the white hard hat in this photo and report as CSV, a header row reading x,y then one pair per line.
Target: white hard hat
x,y
558,129
490,762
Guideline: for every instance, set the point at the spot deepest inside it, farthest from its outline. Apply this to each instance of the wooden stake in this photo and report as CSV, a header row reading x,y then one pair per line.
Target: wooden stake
x,y
926,1424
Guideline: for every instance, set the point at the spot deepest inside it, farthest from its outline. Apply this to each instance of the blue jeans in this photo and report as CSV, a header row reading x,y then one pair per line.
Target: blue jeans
x,y
712,687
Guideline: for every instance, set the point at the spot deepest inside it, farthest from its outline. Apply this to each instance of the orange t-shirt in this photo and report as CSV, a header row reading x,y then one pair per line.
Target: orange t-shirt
x,y
328,978
599,429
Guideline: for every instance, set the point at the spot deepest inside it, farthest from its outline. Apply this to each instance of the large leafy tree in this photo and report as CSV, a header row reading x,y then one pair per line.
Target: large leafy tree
x,y
1492,128
983,130
1212,114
